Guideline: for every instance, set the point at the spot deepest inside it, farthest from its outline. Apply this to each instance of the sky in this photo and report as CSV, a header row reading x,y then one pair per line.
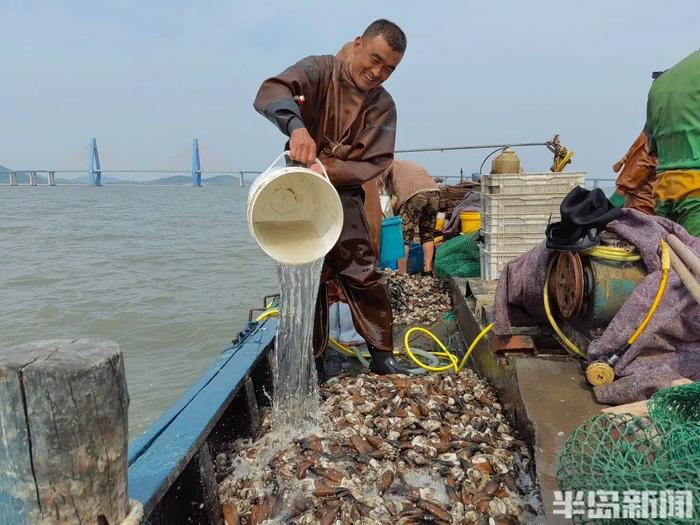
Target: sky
x,y
144,78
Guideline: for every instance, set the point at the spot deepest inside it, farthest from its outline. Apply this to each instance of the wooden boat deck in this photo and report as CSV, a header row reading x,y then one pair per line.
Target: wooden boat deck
x,y
542,387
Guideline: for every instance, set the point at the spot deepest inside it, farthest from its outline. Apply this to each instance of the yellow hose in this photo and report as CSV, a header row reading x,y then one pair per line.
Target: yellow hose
x,y
612,254
454,362
346,350
570,346
665,267
267,313
275,311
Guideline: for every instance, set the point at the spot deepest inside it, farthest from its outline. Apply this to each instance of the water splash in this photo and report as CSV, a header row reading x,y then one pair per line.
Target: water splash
x,y
296,398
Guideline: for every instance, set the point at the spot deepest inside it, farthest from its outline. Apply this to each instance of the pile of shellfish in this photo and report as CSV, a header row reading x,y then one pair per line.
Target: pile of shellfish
x,y
416,299
389,450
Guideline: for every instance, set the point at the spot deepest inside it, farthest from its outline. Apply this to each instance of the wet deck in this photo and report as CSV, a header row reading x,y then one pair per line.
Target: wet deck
x,y
538,383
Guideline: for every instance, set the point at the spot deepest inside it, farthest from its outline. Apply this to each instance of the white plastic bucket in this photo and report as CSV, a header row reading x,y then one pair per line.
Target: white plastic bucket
x,y
294,213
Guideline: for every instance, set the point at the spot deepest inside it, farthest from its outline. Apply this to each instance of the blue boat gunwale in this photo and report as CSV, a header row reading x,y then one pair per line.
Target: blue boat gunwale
x,y
161,453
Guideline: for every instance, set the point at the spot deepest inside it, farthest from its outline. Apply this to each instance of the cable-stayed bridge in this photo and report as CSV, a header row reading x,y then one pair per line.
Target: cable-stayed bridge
x,y
177,164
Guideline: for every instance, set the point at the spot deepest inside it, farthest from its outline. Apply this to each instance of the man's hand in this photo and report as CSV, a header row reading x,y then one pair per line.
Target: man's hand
x,y
317,168
302,147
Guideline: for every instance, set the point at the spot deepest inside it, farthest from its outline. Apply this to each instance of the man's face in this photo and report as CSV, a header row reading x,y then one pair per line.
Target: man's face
x,y
372,62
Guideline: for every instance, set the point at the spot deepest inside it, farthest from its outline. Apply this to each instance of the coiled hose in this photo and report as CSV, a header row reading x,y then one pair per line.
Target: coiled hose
x,y
435,360
601,372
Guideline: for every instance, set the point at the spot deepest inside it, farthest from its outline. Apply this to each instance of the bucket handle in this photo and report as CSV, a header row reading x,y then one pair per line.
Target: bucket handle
x,y
323,168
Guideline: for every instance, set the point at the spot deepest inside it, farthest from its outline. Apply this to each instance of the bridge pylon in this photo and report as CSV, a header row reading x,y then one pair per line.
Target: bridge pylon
x,y
196,165
94,169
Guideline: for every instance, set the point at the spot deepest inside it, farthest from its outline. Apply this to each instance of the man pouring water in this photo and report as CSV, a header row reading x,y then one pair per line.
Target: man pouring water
x,y
336,110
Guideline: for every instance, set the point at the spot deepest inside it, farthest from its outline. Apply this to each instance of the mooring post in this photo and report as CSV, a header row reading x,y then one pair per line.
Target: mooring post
x,y
196,164
63,433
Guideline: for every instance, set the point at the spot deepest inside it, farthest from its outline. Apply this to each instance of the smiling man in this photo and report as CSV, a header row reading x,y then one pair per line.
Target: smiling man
x,y
335,109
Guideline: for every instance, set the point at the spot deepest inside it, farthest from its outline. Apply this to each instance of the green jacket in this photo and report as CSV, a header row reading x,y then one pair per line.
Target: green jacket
x,y
673,116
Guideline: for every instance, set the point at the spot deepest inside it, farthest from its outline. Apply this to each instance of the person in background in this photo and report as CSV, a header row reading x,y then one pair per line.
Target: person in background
x,y
635,183
417,199
673,128
336,110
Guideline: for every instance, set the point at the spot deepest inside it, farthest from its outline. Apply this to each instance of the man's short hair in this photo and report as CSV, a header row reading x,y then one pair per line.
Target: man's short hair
x,y
392,33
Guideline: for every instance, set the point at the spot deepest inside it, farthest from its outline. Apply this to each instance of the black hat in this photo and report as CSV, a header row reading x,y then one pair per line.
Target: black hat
x,y
583,213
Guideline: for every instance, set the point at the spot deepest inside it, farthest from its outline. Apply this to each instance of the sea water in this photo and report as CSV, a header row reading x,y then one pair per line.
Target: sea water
x,y
296,400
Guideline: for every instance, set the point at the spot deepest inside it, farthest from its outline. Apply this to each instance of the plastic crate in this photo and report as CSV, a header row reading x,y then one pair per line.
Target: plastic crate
x,y
531,183
503,205
511,243
493,263
516,223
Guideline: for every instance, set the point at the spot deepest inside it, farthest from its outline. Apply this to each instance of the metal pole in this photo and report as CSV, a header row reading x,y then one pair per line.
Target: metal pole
x,y
481,146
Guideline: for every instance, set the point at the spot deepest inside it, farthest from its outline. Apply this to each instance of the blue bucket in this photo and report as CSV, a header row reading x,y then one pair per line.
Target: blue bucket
x,y
415,258
391,241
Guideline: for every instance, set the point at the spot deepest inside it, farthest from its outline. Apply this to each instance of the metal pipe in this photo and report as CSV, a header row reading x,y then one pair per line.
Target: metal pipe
x,y
481,146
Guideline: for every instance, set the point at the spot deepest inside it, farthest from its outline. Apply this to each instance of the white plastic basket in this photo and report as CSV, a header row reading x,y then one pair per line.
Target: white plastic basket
x,y
516,223
492,263
497,243
503,205
531,183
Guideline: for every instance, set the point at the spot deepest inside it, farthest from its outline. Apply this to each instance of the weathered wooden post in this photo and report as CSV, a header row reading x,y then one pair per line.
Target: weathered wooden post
x,y
63,433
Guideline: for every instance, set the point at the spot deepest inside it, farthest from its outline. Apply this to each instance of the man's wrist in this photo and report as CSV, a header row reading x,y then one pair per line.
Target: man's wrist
x,y
294,124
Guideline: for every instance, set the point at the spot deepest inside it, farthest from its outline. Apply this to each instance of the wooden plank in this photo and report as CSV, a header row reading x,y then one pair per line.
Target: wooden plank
x,y
640,408
164,451
211,507
253,410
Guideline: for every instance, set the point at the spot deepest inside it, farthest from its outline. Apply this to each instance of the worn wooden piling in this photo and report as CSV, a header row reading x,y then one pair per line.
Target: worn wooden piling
x,y
63,433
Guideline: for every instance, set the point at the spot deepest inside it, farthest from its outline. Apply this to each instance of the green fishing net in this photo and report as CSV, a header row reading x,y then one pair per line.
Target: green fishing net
x,y
620,468
458,257
678,404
